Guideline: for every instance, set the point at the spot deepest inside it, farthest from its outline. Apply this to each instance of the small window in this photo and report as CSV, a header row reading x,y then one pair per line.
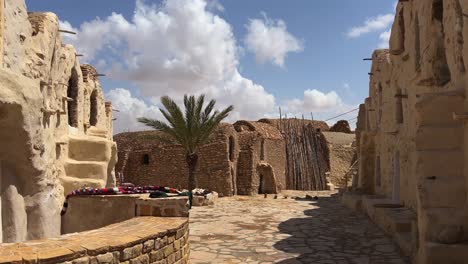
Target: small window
x,y
146,159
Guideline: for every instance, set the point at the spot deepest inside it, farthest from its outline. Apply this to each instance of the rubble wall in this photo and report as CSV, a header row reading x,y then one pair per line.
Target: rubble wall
x,y
145,160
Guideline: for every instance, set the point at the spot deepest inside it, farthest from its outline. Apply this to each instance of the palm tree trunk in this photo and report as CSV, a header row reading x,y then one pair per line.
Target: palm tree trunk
x,y
192,160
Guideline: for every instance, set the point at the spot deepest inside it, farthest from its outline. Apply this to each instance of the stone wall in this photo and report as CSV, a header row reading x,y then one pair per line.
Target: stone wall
x,y
262,158
145,160
90,212
412,129
342,156
45,109
139,240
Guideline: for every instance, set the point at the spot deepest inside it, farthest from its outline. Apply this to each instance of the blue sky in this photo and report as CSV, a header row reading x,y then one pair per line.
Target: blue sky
x,y
312,45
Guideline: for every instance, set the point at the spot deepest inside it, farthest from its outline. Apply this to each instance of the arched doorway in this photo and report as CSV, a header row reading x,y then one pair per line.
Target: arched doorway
x,y
72,92
93,113
266,179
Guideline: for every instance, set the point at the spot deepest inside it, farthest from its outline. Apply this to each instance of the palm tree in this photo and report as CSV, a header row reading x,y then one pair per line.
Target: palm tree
x,y
190,130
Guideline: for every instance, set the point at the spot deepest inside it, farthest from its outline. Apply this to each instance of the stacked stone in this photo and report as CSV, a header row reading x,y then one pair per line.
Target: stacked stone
x,y
140,240
341,126
146,160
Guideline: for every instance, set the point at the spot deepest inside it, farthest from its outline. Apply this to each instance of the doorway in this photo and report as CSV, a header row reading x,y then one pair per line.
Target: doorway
x,y
266,179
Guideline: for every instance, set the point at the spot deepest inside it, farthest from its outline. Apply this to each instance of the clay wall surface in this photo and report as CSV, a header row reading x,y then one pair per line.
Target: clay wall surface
x,y
167,166
342,156
90,212
411,128
262,149
138,240
46,105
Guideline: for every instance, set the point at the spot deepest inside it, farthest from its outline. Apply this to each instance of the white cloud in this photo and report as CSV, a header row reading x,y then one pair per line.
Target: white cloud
x,y
270,40
373,24
179,47
384,39
215,5
315,101
130,109
380,24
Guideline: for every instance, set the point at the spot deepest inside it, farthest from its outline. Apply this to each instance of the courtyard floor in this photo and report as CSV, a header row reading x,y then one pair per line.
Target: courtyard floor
x,y
258,230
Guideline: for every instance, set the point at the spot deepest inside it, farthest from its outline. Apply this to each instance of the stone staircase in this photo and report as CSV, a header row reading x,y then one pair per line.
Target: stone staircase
x,y
87,162
441,181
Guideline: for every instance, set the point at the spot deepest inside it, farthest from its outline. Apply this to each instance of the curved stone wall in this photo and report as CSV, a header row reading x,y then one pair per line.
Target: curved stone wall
x,y
139,240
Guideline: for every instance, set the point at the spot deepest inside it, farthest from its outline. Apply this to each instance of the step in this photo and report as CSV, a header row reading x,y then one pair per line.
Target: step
x,y
405,241
436,109
86,169
88,148
443,254
442,192
448,137
97,132
440,163
352,201
70,184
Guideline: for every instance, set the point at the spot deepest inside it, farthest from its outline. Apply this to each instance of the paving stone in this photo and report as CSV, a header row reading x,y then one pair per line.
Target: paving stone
x,y
258,230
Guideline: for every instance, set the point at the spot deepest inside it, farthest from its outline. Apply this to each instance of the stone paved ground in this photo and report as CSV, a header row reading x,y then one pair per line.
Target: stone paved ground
x,y
258,230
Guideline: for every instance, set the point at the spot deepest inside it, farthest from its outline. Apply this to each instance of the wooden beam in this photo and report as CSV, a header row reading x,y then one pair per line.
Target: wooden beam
x,y
67,31
401,96
79,55
367,59
99,74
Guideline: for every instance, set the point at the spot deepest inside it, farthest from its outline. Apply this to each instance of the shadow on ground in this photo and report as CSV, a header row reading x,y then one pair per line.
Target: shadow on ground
x,y
332,233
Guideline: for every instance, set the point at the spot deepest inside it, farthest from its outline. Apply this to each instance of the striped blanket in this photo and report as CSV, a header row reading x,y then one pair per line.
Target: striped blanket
x,y
118,190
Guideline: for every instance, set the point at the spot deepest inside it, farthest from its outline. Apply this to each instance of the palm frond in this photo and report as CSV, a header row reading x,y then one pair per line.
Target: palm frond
x,y
192,128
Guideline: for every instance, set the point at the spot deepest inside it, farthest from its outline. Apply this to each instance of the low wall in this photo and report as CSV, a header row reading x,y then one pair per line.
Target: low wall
x,y
95,211
139,240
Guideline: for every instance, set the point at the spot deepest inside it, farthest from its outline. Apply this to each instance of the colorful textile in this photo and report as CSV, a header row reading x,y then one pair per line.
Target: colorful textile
x,y
117,191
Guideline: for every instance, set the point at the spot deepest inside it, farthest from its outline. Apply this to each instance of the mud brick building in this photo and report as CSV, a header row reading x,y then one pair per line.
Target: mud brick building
x,y
55,126
262,158
145,160
412,134
246,158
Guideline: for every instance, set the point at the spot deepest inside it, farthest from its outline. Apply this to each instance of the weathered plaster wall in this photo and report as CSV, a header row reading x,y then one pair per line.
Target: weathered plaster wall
x,y
262,158
415,115
37,147
85,213
342,156
166,164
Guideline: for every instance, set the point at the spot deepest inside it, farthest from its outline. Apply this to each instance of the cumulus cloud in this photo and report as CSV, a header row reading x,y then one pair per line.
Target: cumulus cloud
x,y
270,40
179,47
380,24
130,108
384,39
373,24
315,101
